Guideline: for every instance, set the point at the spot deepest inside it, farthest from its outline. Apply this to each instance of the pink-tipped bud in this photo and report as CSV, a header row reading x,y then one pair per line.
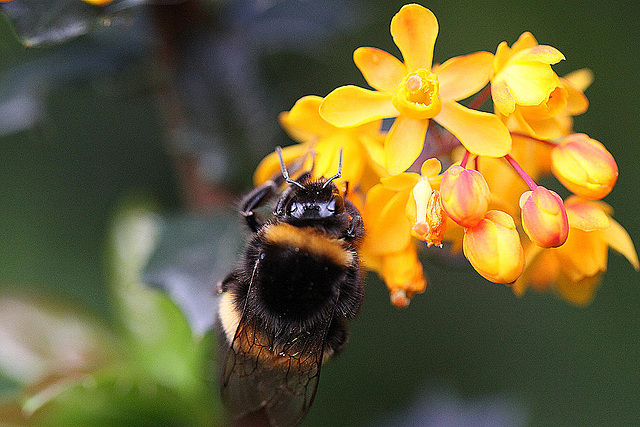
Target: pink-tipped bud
x,y
584,166
465,195
493,248
544,217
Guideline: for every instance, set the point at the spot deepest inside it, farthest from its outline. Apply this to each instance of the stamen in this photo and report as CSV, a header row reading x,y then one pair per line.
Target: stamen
x,y
414,83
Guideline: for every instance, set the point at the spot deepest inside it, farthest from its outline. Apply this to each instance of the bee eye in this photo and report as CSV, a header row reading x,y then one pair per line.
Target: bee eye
x,y
296,209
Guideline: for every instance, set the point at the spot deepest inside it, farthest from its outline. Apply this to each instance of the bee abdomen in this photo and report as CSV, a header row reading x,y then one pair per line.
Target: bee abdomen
x,y
300,273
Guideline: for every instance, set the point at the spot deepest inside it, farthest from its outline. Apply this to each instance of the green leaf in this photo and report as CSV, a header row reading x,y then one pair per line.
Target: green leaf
x,y
160,339
194,253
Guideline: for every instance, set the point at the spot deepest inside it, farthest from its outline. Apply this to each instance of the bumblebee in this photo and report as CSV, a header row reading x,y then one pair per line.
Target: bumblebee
x,y
283,310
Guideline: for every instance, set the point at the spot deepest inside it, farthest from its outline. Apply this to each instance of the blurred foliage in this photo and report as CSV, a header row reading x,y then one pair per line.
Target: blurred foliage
x,y
88,123
145,369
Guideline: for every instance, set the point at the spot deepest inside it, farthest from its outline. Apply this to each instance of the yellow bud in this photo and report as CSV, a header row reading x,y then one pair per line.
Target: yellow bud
x,y
493,248
418,95
584,166
544,217
465,195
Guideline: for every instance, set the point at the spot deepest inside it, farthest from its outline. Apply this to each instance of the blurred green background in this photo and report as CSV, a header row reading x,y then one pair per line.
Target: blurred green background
x,y
466,350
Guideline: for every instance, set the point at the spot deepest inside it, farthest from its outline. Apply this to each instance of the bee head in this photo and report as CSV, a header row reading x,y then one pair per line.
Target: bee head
x,y
314,200
310,200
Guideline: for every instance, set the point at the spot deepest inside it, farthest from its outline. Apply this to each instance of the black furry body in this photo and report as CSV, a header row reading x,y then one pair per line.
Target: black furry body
x,y
289,299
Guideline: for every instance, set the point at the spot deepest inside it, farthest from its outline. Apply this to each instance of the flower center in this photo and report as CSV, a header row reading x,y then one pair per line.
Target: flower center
x,y
550,108
430,222
417,96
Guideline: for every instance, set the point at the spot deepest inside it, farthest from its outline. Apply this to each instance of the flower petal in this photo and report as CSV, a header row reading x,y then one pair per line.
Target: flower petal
x,y
577,102
375,148
584,254
525,41
531,254
400,182
328,152
382,70
269,167
579,292
541,53
431,167
581,79
388,229
619,240
504,102
414,29
503,53
586,216
349,106
462,76
303,122
402,271
481,133
529,83
404,143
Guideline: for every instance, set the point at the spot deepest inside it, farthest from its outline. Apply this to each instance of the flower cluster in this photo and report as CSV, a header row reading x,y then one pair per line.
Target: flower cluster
x,y
487,202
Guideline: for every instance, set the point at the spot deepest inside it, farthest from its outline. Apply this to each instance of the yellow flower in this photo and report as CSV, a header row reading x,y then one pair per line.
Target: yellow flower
x,y
575,268
396,209
413,92
493,248
402,273
576,83
322,143
528,94
584,166
400,207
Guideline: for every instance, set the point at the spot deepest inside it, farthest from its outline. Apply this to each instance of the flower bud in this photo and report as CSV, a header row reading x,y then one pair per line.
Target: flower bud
x,y
493,248
544,217
584,166
465,195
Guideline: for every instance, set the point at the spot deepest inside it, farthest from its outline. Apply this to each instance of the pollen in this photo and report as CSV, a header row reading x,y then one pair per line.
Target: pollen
x,y
414,83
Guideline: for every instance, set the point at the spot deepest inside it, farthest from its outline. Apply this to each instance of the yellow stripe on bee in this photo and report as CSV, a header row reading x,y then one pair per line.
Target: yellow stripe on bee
x,y
229,316
310,240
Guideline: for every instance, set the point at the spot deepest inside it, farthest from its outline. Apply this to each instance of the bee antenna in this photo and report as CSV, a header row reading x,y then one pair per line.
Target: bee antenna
x,y
339,174
283,167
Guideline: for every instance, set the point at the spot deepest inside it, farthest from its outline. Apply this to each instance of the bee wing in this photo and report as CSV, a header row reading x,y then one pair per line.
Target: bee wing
x,y
281,378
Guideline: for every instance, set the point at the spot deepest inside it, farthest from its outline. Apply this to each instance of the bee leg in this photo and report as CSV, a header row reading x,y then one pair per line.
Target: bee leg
x,y
337,336
356,227
256,198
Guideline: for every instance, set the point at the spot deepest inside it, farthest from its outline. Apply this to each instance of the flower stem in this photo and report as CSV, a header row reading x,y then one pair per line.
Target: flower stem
x,y
480,98
530,182
465,159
